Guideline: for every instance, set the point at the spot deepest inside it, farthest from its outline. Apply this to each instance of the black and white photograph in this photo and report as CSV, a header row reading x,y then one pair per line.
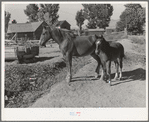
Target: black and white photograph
x,y
74,60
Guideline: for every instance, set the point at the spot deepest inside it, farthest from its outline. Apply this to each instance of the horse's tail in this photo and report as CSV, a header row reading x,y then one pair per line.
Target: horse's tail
x,y
123,54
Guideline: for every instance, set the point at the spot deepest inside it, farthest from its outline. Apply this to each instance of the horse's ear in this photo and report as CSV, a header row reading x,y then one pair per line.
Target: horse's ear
x,y
101,36
44,26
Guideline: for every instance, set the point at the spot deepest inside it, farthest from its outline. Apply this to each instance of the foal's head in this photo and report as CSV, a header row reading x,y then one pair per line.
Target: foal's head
x,y
99,41
45,35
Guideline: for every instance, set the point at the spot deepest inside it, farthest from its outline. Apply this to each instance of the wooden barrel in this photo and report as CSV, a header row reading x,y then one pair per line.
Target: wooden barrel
x,y
20,51
35,50
25,53
28,56
28,50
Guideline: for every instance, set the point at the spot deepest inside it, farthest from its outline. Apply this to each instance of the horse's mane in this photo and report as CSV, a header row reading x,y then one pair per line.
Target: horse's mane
x,y
64,33
104,45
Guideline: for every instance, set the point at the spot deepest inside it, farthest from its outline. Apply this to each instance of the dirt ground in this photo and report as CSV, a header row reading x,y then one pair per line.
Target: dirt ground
x,y
87,91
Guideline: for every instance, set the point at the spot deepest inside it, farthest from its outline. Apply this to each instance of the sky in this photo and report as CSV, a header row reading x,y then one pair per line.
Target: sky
x,y
66,12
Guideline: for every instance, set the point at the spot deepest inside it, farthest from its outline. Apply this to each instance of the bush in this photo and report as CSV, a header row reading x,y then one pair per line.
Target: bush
x,y
18,77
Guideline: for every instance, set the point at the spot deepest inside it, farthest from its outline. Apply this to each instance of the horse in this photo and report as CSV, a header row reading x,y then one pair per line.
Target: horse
x,y
109,51
71,45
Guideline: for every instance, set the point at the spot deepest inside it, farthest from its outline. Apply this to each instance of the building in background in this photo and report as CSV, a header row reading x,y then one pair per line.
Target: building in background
x,y
31,30
63,24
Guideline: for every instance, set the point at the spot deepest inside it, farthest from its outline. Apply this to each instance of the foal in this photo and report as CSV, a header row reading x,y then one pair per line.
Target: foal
x,y
109,51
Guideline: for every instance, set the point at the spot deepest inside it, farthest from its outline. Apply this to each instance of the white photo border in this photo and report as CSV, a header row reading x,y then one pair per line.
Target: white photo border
x,y
44,114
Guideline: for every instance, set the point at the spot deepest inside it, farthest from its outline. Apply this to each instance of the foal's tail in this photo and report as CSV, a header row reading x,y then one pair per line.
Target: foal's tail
x,y
123,54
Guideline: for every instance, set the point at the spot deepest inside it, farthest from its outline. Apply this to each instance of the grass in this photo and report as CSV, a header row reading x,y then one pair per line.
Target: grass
x,y
115,36
137,39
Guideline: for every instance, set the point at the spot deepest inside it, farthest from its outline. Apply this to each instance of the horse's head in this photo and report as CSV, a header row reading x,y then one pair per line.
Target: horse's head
x,y
45,35
98,43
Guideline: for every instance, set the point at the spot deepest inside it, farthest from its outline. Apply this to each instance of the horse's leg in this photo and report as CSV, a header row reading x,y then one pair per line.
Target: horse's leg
x,y
101,78
121,66
103,71
117,69
96,57
109,71
69,65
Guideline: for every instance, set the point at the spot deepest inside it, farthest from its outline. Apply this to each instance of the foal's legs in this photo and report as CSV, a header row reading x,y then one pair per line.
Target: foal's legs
x,y
109,71
121,66
104,71
69,65
103,74
98,61
117,69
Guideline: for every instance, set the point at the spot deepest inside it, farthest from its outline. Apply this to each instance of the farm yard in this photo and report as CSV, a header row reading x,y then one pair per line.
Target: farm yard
x,y
42,83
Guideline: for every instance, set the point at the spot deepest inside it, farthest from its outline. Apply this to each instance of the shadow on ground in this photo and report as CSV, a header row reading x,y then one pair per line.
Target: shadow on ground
x,y
41,59
128,76
134,75
83,78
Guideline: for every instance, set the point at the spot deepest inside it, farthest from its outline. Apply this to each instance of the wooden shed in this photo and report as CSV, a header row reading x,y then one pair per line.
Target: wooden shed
x,y
32,30
63,24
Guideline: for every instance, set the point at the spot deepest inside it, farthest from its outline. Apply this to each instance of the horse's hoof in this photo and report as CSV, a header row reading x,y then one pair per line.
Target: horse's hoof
x,y
110,84
68,80
115,79
101,79
120,78
97,76
108,81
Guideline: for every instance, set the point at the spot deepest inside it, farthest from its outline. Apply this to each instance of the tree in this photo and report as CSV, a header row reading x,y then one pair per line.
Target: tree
x,y
31,11
98,15
132,18
48,13
120,26
14,21
7,19
80,19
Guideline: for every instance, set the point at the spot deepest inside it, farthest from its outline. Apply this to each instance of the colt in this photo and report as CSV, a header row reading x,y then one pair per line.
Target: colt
x,y
109,51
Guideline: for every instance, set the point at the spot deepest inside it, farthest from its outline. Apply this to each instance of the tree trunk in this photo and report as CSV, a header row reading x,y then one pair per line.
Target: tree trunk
x,y
80,29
